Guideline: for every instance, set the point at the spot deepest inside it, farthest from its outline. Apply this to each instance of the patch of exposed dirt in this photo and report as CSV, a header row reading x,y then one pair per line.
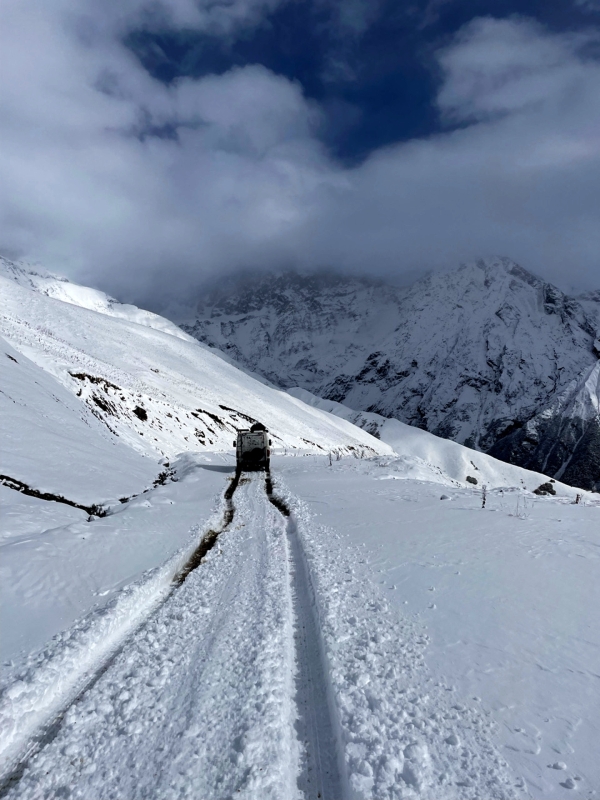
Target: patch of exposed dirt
x,y
239,414
210,538
279,504
12,483
83,376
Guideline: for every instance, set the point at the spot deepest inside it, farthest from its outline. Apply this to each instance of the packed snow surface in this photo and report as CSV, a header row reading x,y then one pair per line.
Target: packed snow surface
x,y
373,633
508,596
277,669
377,643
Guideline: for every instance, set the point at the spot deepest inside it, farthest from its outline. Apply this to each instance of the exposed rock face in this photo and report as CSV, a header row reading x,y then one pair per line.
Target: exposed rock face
x,y
488,355
564,439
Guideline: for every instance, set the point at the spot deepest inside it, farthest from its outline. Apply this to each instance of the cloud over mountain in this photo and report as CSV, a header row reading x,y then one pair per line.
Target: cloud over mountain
x,y
143,187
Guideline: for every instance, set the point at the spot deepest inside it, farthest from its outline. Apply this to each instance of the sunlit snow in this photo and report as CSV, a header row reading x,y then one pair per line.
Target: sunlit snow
x,y
408,621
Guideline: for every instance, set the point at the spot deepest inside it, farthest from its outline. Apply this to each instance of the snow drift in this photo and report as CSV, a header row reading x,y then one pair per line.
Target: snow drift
x,y
423,456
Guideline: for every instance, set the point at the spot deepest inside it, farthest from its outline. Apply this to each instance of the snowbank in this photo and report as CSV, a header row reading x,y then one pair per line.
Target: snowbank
x,y
423,456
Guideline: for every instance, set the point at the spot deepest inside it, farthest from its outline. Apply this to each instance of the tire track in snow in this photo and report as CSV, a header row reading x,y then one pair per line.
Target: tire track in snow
x,y
267,573
319,777
209,539
400,733
200,702
31,715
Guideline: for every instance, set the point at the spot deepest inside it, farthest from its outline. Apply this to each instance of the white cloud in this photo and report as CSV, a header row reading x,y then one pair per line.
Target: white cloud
x,y
524,180
502,66
247,182
82,192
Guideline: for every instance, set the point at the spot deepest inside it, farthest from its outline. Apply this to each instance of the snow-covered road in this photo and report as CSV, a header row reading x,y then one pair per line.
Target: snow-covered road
x,y
508,595
199,702
272,671
353,639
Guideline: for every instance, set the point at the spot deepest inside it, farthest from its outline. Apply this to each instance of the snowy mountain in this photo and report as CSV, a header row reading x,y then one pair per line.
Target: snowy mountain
x,y
564,439
59,288
96,393
335,631
472,355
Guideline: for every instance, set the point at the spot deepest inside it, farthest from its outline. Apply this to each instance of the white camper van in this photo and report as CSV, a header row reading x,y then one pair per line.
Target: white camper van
x,y
253,448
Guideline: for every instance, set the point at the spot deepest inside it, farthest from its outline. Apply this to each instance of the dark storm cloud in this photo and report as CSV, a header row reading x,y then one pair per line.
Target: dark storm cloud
x,y
141,187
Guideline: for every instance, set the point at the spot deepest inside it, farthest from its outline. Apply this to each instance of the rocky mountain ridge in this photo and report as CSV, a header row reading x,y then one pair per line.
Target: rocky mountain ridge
x,y
487,355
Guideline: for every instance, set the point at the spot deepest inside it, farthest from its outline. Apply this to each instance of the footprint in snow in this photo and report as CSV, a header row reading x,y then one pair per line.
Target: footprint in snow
x,y
570,783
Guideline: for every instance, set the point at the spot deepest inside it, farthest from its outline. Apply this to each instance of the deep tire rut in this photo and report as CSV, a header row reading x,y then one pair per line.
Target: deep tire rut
x,y
209,539
320,776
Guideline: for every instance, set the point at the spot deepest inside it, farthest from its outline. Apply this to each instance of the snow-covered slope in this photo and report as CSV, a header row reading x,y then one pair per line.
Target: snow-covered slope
x,y
91,401
54,443
426,457
351,637
470,355
44,282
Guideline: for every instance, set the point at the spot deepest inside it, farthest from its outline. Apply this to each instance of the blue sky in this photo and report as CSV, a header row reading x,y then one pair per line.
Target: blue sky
x,y
371,65
146,145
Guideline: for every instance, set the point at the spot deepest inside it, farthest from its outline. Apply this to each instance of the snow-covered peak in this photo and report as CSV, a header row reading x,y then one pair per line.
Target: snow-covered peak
x,y
494,287
497,274
470,354
51,285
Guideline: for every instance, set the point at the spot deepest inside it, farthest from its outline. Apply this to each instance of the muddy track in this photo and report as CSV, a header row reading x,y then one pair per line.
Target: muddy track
x,y
279,504
210,537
